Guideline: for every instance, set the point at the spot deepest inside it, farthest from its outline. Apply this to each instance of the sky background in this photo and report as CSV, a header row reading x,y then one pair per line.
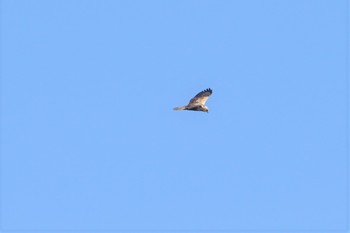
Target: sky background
x,y
90,141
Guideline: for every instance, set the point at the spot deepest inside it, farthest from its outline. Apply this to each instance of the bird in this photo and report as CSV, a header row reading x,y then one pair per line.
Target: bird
x,y
197,103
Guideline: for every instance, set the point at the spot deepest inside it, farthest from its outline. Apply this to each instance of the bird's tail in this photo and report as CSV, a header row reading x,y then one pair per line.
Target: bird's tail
x,y
180,108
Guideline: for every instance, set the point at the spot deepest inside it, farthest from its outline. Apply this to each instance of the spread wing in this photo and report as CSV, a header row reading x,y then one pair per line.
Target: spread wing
x,y
201,97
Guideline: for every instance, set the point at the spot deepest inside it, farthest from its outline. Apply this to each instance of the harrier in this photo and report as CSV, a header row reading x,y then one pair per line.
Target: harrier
x,y
197,103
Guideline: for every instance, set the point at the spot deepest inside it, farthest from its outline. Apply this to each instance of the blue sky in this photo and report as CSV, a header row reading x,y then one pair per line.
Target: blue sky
x,y
89,140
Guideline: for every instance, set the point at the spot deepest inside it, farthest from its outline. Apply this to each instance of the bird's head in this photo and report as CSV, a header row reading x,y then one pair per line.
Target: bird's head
x,y
205,109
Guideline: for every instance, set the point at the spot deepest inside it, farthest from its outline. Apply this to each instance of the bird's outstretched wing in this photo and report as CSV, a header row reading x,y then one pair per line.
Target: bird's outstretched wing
x,y
200,98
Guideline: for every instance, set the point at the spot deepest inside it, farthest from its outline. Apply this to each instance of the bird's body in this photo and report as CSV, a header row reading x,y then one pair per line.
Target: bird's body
x,y
197,103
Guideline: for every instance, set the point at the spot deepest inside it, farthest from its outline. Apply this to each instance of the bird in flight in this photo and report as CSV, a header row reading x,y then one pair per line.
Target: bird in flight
x,y
197,103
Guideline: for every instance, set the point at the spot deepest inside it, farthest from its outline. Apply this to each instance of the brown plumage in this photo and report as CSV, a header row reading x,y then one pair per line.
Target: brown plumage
x,y
197,103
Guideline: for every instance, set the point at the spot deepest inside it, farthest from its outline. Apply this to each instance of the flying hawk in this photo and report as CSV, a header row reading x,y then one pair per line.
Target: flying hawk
x,y
197,103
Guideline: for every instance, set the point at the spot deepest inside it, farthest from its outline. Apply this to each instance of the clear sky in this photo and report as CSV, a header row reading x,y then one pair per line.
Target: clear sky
x,y
90,141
